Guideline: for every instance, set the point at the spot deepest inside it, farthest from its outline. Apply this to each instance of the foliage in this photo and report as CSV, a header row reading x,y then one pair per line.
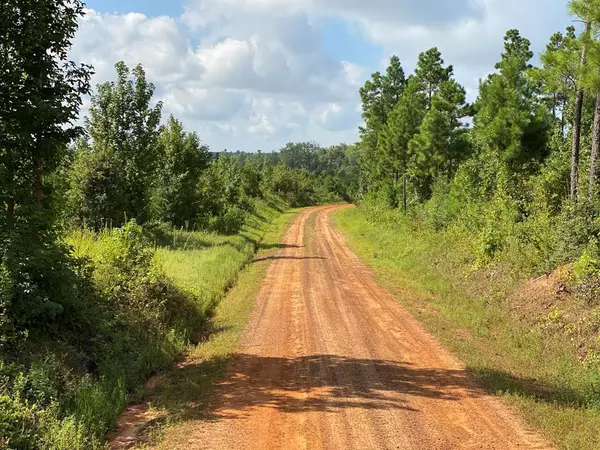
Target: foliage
x,y
182,160
118,166
40,95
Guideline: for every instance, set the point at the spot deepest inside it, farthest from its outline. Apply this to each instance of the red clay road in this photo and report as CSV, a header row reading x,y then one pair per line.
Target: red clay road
x,y
331,361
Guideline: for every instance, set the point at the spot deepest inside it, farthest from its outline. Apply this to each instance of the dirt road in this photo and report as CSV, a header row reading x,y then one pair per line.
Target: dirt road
x,y
331,361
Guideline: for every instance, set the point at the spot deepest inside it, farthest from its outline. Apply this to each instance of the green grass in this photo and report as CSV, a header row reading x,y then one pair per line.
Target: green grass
x,y
207,264
432,274
182,395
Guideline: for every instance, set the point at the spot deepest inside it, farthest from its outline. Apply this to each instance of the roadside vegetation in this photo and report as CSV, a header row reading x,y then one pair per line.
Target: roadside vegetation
x,y
120,238
484,218
522,339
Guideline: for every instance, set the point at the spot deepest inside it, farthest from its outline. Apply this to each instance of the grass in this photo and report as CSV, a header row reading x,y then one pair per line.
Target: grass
x,y
432,274
207,264
182,395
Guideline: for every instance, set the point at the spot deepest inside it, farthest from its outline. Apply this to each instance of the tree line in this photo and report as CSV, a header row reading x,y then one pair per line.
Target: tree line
x,y
129,166
518,164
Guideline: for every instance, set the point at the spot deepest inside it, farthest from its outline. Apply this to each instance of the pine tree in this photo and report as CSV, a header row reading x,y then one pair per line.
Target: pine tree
x,y
402,126
589,12
379,97
440,144
511,120
558,75
394,83
431,73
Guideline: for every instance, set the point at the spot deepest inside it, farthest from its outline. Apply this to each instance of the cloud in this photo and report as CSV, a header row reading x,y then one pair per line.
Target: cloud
x,y
202,13
474,43
250,74
215,104
337,117
241,82
157,42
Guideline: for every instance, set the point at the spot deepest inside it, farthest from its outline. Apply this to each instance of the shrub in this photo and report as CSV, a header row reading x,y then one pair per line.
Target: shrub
x,y
17,424
63,384
230,221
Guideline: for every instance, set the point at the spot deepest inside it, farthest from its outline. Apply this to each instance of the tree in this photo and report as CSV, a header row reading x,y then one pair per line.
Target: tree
x,y
511,120
581,8
40,98
182,160
124,128
440,145
431,73
394,83
379,96
589,12
558,75
402,126
300,155
373,104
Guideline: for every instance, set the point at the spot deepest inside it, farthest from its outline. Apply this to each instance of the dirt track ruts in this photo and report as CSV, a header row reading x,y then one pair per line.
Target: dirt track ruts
x,y
331,361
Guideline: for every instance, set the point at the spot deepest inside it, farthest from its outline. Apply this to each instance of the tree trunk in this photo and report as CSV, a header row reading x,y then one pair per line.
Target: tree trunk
x,y
576,144
404,192
404,180
577,127
562,123
595,148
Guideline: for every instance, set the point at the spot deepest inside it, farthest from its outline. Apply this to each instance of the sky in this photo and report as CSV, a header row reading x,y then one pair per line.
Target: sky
x,y
256,74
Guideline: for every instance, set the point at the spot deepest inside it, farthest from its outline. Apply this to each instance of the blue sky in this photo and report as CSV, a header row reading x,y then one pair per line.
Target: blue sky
x,y
148,7
255,74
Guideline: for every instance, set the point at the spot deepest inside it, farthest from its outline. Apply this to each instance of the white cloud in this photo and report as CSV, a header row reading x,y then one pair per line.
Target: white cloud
x,y
241,78
337,117
474,43
250,74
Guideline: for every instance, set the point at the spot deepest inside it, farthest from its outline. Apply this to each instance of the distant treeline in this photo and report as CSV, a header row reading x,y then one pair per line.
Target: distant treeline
x,y
129,166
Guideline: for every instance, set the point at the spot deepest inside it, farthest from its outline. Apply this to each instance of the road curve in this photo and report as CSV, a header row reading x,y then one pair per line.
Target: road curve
x,y
331,361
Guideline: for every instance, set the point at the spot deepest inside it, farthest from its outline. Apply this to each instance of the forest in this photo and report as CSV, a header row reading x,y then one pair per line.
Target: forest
x,y
517,169
95,209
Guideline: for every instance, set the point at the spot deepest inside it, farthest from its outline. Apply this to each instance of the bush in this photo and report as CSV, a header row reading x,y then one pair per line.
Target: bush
x,y
63,384
229,221
443,207
587,272
17,424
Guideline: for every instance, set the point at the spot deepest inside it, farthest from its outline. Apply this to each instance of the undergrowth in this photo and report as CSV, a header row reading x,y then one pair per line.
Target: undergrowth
x,y
142,299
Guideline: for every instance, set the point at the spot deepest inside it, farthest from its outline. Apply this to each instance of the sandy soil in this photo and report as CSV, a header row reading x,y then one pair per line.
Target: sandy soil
x,y
331,361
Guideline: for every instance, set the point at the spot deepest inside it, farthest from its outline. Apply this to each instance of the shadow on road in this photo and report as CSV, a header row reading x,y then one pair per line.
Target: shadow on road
x,y
265,246
299,258
333,383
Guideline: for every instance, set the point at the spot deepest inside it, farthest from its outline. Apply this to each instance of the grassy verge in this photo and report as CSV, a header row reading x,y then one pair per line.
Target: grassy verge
x,y
182,394
537,372
136,299
206,265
